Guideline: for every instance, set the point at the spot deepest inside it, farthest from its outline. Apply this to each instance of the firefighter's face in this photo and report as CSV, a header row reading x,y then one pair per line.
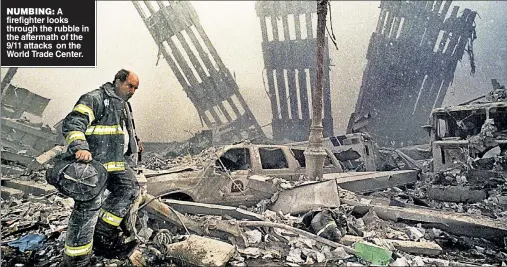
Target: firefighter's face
x,y
126,89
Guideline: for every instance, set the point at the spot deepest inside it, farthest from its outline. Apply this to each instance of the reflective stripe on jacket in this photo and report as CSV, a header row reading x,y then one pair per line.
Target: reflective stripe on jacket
x,y
96,124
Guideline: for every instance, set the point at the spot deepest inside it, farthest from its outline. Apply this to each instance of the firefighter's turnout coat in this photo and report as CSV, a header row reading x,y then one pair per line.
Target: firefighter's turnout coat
x,y
99,123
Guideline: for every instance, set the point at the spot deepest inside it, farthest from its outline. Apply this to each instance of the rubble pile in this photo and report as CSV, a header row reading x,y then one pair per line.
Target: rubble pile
x,y
23,136
471,191
449,217
198,161
404,215
472,188
33,231
412,157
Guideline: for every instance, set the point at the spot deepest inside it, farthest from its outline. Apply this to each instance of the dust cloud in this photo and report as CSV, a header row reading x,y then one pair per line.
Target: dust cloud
x,y
164,113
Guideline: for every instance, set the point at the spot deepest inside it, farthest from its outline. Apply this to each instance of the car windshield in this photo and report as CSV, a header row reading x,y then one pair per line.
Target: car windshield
x,y
235,159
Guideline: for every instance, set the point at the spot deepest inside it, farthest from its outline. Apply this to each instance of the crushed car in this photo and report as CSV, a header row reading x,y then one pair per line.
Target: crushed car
x,y
240,174
355,151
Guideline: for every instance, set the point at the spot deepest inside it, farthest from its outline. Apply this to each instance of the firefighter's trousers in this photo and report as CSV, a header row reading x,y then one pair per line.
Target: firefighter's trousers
x,y
95,223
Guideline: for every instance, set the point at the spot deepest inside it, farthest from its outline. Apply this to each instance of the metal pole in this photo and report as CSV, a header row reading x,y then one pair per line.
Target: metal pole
x,y
315,153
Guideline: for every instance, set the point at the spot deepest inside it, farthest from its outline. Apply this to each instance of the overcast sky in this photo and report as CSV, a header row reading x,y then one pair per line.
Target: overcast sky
x,y
164,113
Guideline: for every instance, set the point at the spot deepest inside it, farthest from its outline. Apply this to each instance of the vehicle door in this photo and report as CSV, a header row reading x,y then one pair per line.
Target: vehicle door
x,y
274,162
234,166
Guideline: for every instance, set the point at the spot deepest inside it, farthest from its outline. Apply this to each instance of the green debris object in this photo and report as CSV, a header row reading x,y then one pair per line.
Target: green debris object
x,y
372,253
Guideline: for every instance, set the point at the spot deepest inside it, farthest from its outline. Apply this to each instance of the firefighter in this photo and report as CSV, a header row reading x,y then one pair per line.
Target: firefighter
x,y
100,128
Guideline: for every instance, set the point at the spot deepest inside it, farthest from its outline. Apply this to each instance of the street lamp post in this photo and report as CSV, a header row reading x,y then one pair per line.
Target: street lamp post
x,y
315,153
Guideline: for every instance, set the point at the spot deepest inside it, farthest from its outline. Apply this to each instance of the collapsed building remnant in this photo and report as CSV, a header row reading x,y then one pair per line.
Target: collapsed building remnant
x,y
176,29
474,135
411,62
289,44
21,135
22,140
7,78
17,100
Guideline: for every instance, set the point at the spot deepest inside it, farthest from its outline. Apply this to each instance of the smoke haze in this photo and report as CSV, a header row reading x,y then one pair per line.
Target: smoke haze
x,y
164,113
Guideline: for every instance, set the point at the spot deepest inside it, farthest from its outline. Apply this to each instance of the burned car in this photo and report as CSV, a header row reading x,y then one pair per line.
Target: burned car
x,y
241,174
355,151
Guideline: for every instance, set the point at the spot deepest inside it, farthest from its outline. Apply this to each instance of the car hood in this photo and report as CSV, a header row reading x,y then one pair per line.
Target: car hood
x,y
164,183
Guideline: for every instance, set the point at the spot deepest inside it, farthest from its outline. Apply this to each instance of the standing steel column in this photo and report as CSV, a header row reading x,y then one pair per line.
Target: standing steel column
x,y
288,46
7,78
315,153
412,56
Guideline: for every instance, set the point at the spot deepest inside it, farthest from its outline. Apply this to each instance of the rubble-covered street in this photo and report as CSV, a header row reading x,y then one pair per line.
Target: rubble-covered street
x,y
411,225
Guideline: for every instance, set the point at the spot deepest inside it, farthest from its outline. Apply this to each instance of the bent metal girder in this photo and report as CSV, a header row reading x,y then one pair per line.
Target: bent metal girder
x,y
289,48
175,27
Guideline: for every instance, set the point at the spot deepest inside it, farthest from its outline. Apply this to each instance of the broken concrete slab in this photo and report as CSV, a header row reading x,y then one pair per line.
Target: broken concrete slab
x,y
7,192
412,164
365,182
10,170
18,158
307,197
164,212
457,194
30,187
40,139
211,209
201,251
385,202
17,100
46,157
455,223
426,248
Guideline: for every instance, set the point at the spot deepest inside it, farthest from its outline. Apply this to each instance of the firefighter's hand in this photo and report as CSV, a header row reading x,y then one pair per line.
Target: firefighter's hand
x,y
84,155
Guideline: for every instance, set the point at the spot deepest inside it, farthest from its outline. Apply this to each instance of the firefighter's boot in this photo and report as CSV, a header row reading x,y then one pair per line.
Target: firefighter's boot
x,y
75,261
109,242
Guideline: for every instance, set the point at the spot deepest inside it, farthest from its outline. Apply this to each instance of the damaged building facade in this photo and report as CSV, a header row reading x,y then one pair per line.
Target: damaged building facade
x,y
412,58
23,140
475,133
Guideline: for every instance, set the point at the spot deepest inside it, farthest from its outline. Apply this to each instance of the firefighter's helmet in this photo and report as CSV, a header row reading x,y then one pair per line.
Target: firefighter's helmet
x,y
78,180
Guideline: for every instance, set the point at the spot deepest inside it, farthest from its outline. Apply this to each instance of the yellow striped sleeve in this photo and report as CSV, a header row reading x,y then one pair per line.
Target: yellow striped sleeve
x,y
83,109
104,130
115,166
73,136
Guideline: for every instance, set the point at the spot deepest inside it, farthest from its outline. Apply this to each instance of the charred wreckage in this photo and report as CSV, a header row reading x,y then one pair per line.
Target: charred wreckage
x,y
422,186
